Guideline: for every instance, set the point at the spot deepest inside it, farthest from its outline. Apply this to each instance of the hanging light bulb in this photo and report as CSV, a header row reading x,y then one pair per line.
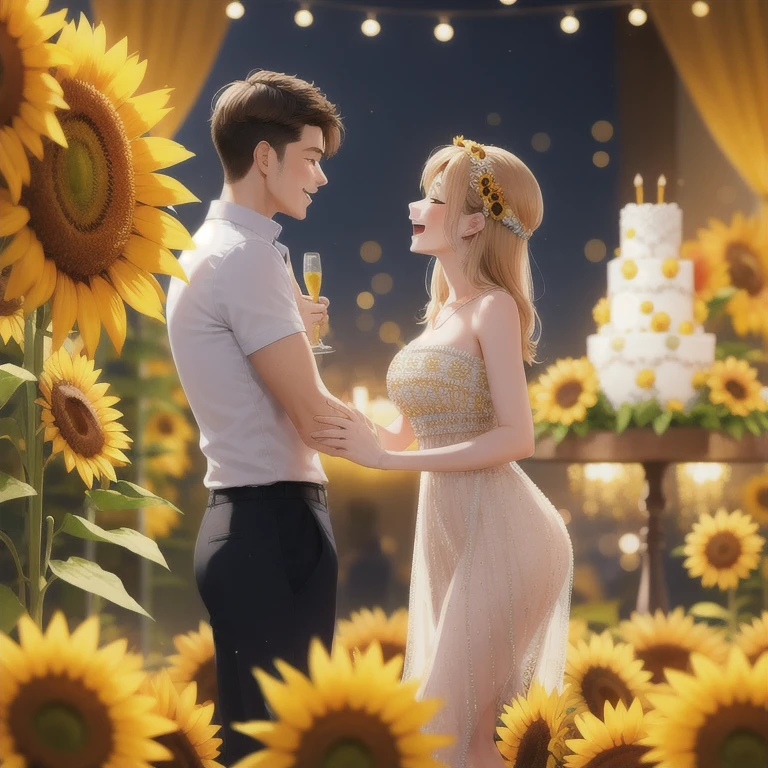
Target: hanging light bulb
x,y
637,16
304,17
235,10
444,30
370,27
507,2
700,8
569,23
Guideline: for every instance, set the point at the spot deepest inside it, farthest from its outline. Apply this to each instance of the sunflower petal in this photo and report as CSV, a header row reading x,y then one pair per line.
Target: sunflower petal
x,y
162,228
64,312
141,113
31,139
42,290
43,122
111,310
11,169
152,257
25,271
18,248
45,56
12,218
88,320
161,190
42,29
151,153
134,288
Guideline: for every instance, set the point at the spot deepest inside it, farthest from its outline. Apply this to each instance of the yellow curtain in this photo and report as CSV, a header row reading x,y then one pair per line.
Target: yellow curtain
x,y
722,60
179,38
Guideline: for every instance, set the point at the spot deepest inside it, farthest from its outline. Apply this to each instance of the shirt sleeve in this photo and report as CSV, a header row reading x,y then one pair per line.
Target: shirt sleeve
x,y
253,296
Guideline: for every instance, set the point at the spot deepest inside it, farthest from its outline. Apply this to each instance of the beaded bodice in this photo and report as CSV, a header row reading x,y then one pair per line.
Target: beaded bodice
x,y
441,390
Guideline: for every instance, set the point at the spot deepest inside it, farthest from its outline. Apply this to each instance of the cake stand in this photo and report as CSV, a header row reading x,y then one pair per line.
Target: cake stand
x,y
655,453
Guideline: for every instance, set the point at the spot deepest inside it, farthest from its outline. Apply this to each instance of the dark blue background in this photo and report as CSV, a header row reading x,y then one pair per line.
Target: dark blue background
x,y
403,93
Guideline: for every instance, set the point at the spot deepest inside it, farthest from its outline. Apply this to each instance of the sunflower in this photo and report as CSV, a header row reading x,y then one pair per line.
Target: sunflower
x,y
174,461
734,383
753,638
164,367
610,740
167,428
722,548
94,206
535,728
365,626
11,315
161,519
715,716
755,495
65,702
195,662
601,671
29,94
565,391
668,640
79,419
710,272
343,714
193,744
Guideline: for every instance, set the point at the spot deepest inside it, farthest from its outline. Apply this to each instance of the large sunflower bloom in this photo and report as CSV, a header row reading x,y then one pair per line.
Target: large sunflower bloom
x,y
94,207
535,728
714,717
610,740
565,391
195,662
343,714
29,94
734,383
365,626
161,519
79,419
193,744
64,702
599,671
753,638
668,640
722,549
11,315
755,495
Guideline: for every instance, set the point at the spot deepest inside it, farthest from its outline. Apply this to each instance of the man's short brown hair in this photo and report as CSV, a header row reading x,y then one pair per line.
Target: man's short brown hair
x,y
272,107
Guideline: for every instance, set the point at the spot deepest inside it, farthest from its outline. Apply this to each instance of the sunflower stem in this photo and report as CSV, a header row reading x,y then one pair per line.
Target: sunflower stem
x,y
6,539
33,362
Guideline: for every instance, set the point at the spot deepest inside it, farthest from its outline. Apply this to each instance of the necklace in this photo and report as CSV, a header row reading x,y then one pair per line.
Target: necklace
x,y
461,304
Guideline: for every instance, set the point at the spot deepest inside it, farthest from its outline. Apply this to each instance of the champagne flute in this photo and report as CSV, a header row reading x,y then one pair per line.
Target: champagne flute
x,y
313,277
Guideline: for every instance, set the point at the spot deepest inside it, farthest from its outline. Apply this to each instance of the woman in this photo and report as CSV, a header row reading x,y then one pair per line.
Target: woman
x,y
493,562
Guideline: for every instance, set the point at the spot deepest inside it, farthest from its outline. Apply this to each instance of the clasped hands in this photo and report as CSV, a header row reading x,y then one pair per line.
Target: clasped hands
x,y
352,437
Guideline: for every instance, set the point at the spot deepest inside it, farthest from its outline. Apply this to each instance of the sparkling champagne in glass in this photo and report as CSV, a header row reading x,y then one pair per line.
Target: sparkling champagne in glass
x,y
313,277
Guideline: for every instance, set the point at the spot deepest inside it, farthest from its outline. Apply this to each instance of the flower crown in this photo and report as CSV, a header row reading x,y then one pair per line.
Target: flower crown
x,y
481,175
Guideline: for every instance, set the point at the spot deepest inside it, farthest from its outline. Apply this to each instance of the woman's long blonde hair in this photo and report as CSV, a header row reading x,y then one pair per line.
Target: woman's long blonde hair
x,y
496,255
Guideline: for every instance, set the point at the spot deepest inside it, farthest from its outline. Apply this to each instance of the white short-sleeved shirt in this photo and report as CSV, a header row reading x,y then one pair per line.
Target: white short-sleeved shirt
x,y
239,299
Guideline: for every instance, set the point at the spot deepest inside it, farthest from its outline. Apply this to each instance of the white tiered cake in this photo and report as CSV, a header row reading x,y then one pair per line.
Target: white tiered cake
x,y
650,345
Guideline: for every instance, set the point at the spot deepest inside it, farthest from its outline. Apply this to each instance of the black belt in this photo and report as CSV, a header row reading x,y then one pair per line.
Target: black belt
x,y
285,489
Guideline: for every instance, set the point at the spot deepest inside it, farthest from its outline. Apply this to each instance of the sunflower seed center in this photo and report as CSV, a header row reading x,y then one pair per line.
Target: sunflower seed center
x,y
737,390
165,425
77,420
744,267
657,658
762,495
723,549
60,727
568,394
348,754
84,196
184,753
7,308
533,751
735,735
623,756
11,76
600,685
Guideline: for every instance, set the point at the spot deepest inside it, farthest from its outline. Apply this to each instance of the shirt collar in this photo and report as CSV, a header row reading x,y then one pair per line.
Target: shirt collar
x,y
246,218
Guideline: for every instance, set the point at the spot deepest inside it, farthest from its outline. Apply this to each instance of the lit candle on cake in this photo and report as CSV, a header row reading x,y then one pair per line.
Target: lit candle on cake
x,y
639,189
661,184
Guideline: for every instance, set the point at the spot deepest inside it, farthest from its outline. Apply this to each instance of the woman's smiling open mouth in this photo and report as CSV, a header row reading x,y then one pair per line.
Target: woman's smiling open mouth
x,y
418,229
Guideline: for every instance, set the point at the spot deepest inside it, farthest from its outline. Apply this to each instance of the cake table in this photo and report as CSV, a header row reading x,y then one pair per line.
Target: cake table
x,y
655,453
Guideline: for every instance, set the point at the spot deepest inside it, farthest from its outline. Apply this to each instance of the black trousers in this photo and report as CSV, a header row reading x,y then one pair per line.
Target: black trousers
x,y
266,568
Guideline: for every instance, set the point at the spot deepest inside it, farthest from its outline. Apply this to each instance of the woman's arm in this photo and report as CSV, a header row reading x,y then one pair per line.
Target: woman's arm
x,y
497,326
396,436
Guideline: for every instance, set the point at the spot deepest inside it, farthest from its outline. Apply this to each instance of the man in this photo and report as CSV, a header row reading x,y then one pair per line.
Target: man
x,y
265,561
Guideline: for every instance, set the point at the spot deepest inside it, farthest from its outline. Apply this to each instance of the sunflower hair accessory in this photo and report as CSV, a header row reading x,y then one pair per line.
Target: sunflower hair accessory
x,y
489,190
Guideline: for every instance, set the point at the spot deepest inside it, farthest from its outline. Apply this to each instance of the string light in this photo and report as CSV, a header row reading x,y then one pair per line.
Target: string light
x,y
444,30
370,27
235,10
304,17
569,23
637,16
700,8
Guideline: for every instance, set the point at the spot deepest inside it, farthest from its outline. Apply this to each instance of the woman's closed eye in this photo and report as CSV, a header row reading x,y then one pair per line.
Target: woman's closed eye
x,y
435,200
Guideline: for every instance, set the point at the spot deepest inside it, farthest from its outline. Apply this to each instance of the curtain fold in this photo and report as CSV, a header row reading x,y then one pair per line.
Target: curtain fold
x,y
722,59
179,38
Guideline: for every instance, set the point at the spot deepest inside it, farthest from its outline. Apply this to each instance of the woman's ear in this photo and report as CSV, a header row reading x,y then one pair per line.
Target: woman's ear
x,y
474,223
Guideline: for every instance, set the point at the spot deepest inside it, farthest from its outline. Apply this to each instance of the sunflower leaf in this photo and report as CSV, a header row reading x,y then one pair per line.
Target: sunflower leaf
x,y
661,423
646,412
706,610
581,428
13,488
623,417
128,538
90,577
735,428
750,422
678,551
11,378
559,431
125,495
10,609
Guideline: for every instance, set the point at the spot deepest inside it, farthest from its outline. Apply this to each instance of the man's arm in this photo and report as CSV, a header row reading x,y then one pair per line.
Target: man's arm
x,y
288,370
